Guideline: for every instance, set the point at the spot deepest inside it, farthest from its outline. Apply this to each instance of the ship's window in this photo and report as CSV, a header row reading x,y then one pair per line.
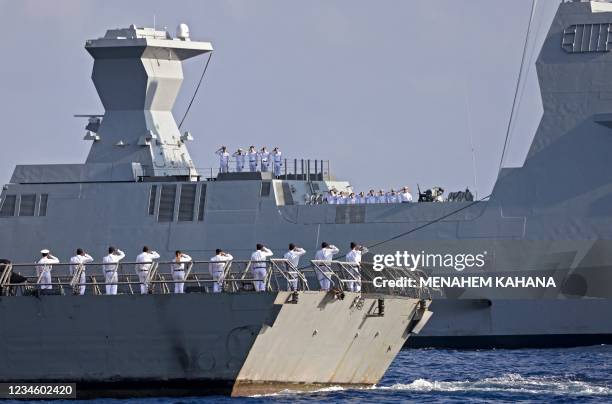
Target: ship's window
x,y
8,206
152,199
166,203
187,202
27,204
42,210
265,188
202,204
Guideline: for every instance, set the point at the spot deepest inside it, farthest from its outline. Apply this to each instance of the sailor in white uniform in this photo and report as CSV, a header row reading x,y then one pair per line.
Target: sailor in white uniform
x,y
44,267
293,256
239,155
81,258
216,267
252,155
330,197
178,270
144,261
392,196
223,159
277,158
264,159
361,198
259,266
371,197
405,195
354,256
326,253
111,264
381,197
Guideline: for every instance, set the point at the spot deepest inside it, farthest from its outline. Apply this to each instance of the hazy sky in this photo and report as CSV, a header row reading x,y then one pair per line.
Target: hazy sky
x,y
392,92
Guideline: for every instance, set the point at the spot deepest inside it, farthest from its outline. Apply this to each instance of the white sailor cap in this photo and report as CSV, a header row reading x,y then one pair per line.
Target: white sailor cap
x,y
45,251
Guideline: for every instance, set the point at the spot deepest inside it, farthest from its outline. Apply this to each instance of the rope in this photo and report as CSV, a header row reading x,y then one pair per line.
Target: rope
x,y
518,83
196,90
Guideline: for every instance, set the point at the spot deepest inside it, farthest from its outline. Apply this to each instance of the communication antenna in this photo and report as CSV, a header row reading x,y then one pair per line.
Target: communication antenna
x,y
471,135
153,22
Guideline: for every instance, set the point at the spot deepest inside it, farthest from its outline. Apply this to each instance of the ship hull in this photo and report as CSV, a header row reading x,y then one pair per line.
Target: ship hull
x,y
200,343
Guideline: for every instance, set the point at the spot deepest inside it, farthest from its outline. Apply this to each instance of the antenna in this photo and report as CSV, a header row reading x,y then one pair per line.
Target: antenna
x,y
153,22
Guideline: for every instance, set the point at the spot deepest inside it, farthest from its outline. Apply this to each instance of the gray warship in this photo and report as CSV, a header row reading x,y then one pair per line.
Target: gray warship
x,y
551,217
239,341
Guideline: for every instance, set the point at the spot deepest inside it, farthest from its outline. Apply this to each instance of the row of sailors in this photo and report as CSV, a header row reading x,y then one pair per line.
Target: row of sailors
x,y
263,157
334,197
216,267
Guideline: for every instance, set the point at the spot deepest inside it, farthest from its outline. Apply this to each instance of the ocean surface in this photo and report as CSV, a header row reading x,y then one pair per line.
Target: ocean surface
x,y
441,376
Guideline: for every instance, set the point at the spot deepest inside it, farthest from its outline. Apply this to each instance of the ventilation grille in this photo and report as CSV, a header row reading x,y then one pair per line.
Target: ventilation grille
x,y
265,188
346,214
288,196
202,205
42,210
27,205
166,203
152,199
8,206
187,202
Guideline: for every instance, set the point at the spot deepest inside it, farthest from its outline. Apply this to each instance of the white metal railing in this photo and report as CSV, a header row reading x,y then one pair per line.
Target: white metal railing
x,y
237,276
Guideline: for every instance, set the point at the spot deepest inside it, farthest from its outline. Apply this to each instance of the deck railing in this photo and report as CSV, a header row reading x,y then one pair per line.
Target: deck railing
x,y
235,276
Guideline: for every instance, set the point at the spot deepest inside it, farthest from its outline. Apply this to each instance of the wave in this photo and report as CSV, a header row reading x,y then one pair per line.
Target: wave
x,y
511,383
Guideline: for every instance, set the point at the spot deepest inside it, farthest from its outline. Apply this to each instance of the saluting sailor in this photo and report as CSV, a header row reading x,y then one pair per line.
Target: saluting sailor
x,y
381,197
264,159
144,262
259,265
293,256
111,264
326,253
240,156
223,159
43,270
354,256
371,197
178,270
216,267
405,195
81,258
252,154
277,157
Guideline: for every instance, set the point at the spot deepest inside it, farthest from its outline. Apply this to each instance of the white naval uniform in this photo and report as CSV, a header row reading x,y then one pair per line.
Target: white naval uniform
x,y
259,269
215,267
325,254
264,159
178,272
331,199
355,256
44,270
144,261
252,161
351,200
293,256
278,162
370,199
239,162
405,197
76,261
223,160
392,198
111,264
381,198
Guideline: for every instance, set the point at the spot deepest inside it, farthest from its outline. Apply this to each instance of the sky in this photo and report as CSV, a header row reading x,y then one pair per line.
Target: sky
x,y
392,92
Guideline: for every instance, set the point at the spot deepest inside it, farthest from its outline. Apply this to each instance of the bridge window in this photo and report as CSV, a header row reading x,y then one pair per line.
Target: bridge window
x,y
27,204
8,206
166,203
152,199
187,202
42,209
